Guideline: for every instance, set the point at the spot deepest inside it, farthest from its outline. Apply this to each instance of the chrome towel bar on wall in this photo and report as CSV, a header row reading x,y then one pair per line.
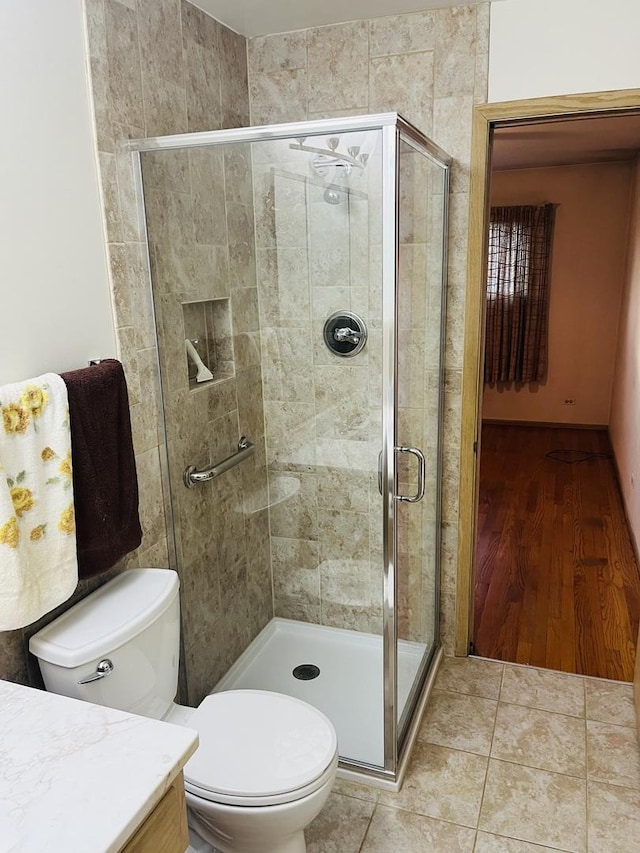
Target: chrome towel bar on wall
x,y
192,476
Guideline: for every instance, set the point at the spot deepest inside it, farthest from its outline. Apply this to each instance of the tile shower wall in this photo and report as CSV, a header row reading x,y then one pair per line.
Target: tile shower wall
x,y
323,418
161,67
200,228
431,67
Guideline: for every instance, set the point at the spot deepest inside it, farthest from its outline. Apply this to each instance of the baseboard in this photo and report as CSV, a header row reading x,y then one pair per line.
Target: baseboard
x,y
549,424
632,536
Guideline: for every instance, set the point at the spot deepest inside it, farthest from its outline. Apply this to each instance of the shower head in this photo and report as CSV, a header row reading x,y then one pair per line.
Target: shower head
x,y
332,195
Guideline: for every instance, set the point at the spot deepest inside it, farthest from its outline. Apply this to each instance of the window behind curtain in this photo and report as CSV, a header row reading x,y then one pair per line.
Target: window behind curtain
x,y
518,293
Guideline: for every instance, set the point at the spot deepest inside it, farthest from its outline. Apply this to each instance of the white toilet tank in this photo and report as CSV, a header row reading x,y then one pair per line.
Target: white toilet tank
x,y
132,623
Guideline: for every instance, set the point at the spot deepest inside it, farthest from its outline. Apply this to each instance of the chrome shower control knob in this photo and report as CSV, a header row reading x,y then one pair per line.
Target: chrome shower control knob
x,y
345,333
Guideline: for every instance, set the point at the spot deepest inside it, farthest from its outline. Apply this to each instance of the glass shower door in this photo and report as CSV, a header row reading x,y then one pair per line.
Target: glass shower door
x,y
420,309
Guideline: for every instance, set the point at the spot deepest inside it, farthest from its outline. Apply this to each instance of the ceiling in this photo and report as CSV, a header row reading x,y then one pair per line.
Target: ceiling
x,y
262,17
566,142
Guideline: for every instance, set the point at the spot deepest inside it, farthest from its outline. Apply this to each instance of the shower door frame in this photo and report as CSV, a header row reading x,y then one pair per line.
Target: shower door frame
x,y
393,128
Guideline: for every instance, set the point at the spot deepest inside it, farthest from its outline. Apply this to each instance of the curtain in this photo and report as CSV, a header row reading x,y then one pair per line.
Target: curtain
x,y
518,293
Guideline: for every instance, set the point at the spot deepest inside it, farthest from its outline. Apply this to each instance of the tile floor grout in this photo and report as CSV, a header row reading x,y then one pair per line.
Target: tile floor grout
x,y
441,808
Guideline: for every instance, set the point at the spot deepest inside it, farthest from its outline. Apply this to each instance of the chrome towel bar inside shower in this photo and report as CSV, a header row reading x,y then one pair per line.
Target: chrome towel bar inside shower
x,y
192,476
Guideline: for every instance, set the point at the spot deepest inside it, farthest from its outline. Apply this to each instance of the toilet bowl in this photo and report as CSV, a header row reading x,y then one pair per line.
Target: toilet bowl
x,y
266,762
256,793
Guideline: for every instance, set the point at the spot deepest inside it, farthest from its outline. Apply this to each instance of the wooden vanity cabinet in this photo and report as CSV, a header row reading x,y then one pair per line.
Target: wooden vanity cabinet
x,y
165,829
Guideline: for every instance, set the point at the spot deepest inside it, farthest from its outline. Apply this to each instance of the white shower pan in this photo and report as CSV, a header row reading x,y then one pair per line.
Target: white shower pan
x,y
348,688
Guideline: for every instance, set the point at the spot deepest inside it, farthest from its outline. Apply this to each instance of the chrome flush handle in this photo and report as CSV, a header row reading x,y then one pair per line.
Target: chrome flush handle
x,y
104,668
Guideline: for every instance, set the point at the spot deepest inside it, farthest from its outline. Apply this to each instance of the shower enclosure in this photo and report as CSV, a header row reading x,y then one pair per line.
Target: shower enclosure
x,y
298,280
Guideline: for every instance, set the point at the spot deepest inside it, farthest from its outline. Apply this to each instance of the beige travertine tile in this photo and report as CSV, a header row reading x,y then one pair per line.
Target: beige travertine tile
x,y
534,805
234,86
202,87
487,842
404,832
543,689
283,302
343,535
614,819
273,52
610,702
202,68
242,253
123,64
250,405
447,622
338,66
540,739
470,675
481,82
295,570
403,84
151,504
613,754
451,118
279,95
455,53
160,35
340,827
356,789
441,783
281,349
296,516
343,490
208,188
165,107
402,34
459,721
111,197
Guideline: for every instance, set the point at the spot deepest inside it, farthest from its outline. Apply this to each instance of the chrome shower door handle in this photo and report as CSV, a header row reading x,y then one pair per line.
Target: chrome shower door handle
x,y
422,468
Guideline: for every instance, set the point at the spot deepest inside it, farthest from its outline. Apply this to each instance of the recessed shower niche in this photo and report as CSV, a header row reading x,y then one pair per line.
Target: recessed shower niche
x,y
207,327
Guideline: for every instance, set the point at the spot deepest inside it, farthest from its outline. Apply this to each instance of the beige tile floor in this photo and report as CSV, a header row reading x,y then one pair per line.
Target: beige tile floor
x,y
509,759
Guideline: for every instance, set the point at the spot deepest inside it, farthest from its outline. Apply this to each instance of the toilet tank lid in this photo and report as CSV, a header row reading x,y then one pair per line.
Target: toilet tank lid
x,y
107,618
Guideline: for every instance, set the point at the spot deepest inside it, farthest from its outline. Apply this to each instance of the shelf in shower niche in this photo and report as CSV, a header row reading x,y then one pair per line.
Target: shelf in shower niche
x,y
218,377
281,488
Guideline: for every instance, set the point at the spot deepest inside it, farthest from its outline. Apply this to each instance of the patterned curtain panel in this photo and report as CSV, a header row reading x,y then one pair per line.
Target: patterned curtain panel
x,y
518,293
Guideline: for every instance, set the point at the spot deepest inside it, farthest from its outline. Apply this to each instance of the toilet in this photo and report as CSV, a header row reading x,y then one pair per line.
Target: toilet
x,y
266,762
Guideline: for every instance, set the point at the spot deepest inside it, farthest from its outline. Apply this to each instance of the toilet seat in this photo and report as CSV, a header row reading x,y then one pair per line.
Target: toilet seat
x,y
259,748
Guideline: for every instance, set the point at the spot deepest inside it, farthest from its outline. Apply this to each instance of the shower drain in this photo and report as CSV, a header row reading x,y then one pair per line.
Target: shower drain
x,y
306,671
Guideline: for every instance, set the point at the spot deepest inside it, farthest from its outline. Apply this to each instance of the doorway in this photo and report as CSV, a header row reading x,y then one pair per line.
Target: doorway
x,y
514,132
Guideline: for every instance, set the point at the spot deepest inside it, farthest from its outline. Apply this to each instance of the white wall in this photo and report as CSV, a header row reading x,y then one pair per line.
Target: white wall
x,y
55,303
625,405
558,47
585,290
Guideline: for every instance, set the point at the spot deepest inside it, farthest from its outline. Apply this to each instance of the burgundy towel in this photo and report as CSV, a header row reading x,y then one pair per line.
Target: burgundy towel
x,y
104,469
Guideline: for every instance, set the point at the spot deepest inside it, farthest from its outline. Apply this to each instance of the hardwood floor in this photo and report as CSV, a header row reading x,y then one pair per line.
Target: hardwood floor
x,y
557,583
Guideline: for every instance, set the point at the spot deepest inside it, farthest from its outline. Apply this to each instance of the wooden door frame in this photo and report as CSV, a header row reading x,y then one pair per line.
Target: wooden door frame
x,y
485,118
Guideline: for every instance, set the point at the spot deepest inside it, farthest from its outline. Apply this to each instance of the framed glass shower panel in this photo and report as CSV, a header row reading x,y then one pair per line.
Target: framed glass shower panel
x,y
420,314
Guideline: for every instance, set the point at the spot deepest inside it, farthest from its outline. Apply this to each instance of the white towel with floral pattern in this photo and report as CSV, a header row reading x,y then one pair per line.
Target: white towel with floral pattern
x,y
38,564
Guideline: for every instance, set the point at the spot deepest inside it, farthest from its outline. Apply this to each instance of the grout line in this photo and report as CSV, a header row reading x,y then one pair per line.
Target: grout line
x,y
586,770
486,775
366,832
438,819
544,710
541,769
522,841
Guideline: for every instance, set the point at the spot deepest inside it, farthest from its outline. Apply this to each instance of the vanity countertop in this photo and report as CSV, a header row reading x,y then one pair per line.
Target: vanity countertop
x,y
76,777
